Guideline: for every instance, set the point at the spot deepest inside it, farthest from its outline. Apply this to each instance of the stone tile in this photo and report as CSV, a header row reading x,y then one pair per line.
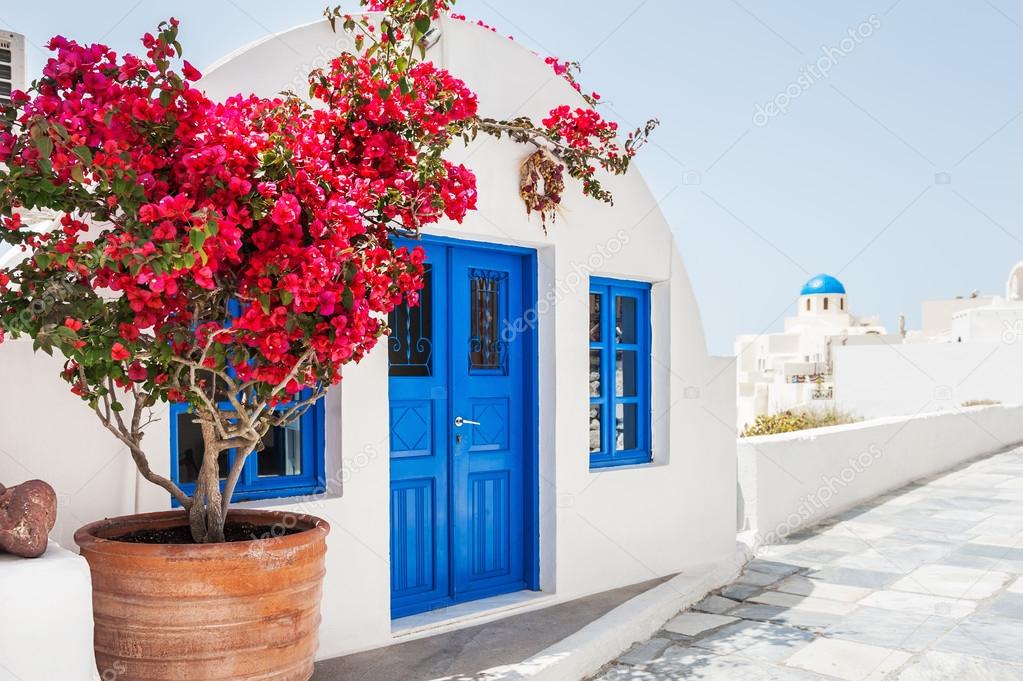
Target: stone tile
x,y
717,605
907,556
1016,587
691,664
914,521
757,640
1007,605
773,567
970,503
903,538
804,586
954,582
935,666
859,530
1006,553
907,631
960,514
868,579
740,592
921,604
872,559
1007,541
974,561
795,602
1001,526
760,579
834,542
808,619
848,660
696,623
647,651
985,636
815,557
618,673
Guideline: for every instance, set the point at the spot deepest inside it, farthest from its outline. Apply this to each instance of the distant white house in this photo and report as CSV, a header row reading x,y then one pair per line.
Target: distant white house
x,y
548,425
970,349
794,369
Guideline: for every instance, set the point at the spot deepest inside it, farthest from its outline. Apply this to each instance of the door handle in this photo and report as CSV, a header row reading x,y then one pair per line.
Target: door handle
x,y
459,422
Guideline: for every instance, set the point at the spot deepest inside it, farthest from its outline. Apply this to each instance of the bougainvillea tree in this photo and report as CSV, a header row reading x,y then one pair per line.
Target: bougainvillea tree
x,y
236,255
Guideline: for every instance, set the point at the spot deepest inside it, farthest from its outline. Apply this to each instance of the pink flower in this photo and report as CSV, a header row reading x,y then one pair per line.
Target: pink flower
x,y
286,210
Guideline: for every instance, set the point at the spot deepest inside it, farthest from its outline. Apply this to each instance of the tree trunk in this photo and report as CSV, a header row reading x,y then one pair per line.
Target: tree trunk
x,y
206,516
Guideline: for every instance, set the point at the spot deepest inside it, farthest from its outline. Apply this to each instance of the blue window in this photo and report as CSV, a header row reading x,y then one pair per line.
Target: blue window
x,y
290,463
619,377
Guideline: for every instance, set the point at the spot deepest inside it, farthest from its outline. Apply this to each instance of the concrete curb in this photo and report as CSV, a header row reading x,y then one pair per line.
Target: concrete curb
x,y
585,652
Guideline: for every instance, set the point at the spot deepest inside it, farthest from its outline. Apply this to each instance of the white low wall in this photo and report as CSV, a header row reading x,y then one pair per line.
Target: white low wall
x,y
46,621
793,480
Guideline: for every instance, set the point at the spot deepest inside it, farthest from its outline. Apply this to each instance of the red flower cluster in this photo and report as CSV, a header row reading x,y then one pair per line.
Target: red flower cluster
x,y
251,235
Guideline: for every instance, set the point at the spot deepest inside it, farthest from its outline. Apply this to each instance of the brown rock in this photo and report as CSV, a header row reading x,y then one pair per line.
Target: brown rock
x,y
27,514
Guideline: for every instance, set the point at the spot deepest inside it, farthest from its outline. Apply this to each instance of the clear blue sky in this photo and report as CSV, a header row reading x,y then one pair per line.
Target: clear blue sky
x,y
845,181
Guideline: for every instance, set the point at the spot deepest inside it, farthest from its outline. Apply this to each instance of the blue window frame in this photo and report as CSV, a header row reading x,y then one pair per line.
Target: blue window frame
x,y
290,464
619,376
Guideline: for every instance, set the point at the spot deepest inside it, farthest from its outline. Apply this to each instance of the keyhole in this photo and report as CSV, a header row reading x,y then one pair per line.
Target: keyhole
x,y
458,439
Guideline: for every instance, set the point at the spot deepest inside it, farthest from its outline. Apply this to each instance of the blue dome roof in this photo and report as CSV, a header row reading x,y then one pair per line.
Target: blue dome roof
x,y
822,283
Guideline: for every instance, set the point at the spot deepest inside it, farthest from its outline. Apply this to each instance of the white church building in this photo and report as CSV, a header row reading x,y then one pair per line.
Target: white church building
x,y
463,484
794,369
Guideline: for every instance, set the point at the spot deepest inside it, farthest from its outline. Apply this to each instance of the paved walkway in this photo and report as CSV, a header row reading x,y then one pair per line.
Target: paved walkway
x,y
920,585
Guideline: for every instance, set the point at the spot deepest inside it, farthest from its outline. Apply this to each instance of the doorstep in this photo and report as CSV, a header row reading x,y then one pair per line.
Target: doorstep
x,y
468,614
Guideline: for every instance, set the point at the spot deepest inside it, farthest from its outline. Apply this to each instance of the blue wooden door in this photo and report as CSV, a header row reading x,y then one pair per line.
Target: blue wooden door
x,y
459,371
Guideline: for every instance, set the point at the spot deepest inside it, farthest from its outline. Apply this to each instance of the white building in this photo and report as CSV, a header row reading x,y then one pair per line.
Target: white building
x,y
970,349
794,369
13,69
458,470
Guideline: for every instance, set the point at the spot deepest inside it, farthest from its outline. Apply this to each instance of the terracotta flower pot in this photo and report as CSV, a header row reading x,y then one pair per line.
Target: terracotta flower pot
x,y
239,610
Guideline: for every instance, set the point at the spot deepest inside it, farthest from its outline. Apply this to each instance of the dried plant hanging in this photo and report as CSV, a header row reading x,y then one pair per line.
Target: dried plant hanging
x,y
541,184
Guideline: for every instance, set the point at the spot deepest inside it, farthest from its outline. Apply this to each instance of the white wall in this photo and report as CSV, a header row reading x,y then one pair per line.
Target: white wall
x,y
916,378
793,480
598,529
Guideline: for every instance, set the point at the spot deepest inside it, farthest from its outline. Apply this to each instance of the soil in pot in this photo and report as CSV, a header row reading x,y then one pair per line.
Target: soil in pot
x,y
182,535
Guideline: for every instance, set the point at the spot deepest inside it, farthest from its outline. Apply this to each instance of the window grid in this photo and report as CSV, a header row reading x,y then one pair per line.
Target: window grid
x,y
609,291
251,486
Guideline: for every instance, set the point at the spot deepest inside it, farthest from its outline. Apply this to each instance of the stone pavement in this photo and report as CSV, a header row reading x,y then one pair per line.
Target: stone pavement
x,y
923,584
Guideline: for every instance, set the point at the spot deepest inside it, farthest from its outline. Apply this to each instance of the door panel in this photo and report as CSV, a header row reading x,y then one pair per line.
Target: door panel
x,y
420,574
487,388
458,509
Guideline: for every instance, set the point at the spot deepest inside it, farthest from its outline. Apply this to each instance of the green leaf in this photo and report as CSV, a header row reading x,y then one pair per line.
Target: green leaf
x,y
117,406
83,152
384,92
197,237
404,85
43,260
45,146
423,24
